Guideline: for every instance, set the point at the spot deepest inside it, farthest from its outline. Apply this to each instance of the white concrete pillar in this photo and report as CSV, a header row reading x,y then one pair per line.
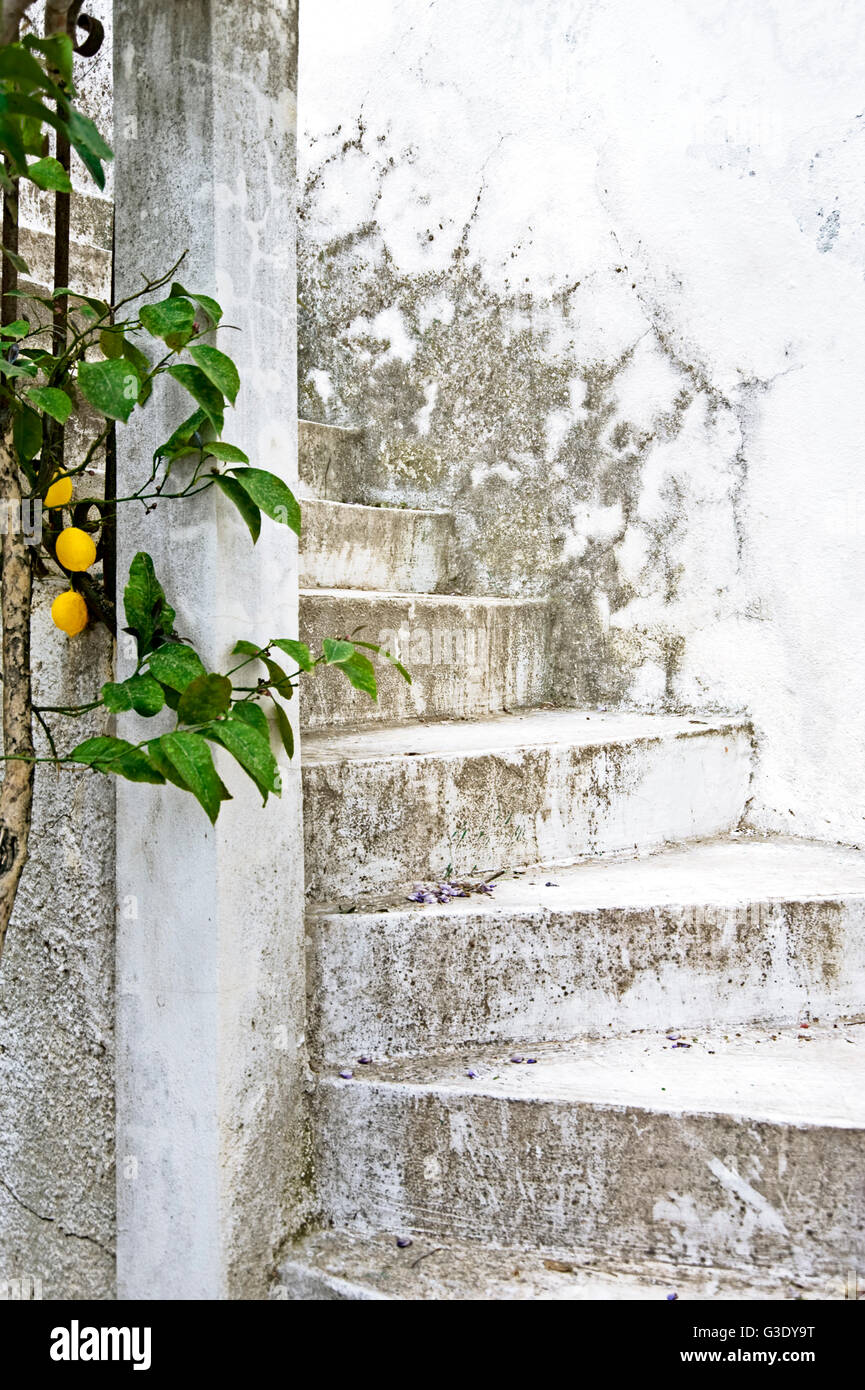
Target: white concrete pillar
x,y
210,1058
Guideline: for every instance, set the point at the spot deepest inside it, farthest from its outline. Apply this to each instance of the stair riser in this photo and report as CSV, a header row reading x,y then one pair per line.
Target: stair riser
x,y
329,461
299,1285
409,983
614,1181
374,548
376,825
467,657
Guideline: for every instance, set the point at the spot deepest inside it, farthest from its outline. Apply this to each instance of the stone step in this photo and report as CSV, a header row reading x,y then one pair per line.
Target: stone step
x,y
719,932
349,546
383,806
468,657
740,1152
340,1265
329,461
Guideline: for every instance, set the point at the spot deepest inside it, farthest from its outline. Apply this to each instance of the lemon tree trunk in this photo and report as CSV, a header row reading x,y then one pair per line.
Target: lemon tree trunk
x,y
16,794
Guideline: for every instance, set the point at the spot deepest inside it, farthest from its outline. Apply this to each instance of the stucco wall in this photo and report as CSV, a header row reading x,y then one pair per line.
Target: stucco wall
x,y
593,274
57,977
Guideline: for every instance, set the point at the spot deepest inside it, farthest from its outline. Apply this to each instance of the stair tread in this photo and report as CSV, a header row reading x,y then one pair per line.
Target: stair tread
x,y
791,1075
345,1265
501,732
415,596
726,871
380,510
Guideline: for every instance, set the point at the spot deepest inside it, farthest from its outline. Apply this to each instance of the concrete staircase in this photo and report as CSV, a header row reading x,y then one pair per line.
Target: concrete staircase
x,y
637,1074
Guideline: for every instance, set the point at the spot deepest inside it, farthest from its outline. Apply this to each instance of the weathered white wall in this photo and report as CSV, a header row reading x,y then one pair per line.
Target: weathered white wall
x,y
593,272
57,978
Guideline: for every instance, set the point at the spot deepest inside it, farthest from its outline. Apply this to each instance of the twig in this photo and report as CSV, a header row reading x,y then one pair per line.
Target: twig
x,y
426,1255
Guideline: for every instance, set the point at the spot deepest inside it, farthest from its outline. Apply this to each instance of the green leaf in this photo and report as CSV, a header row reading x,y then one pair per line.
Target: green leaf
x,y
205,698
19,65
135,357
116,698
30,297
182,435
253,715
170,319
52,401
139,364
210,306
27,434
140,693
147,695
202,389
44,360
111,342
49,174
278,678
271,494
361,673
190,756
359,669
336,651
57,48
283,724
17,261
112,387
298,651
99,307
16,369
163,764
374,647
251,750
82,131
227,453
219,368
99,750
91,147
243,502
19,329
145,604
11,142
118,756
176,665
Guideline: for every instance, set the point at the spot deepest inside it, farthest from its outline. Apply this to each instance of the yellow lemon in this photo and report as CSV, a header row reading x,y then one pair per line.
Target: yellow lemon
x,y
69,612
75,549
60,492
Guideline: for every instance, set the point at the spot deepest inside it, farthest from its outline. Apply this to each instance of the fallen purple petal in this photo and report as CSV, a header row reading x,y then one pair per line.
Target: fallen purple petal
x,y
364,1060
421,895
471,1074
517,1059
403,1242
346,1075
